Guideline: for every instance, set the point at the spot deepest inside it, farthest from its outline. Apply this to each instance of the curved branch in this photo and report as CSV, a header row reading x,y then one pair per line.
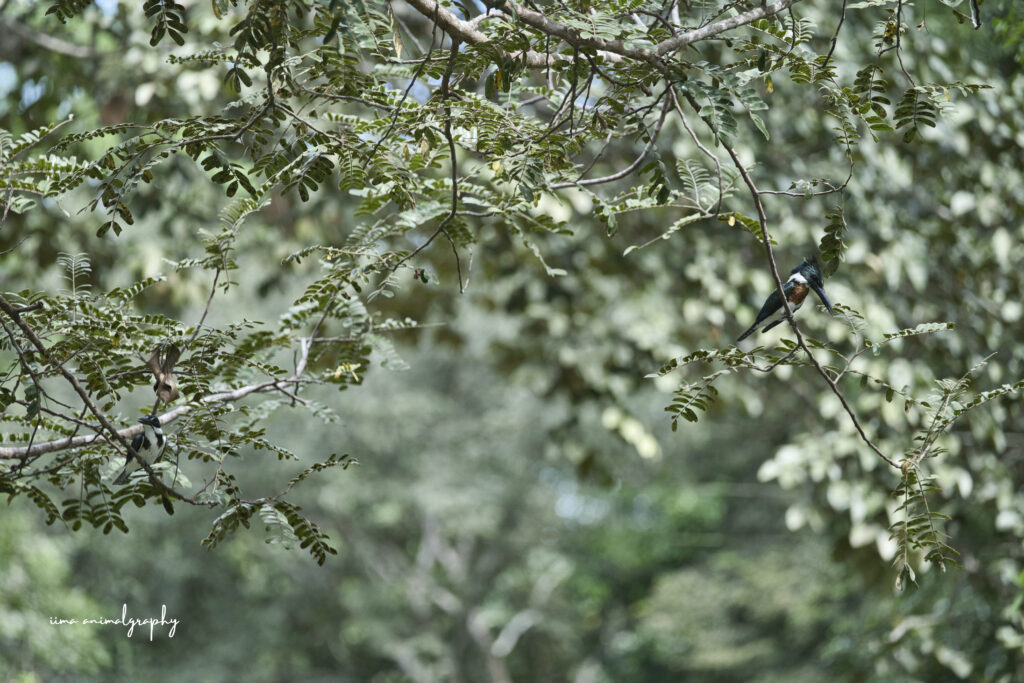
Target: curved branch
x,y
108,429
707,152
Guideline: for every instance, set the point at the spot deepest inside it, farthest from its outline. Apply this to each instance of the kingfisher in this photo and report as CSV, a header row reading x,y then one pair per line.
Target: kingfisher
x,y
150,440
802,279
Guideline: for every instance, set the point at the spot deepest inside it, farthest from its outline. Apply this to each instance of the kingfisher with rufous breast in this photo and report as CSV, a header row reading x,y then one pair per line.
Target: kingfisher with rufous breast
x,y
802,279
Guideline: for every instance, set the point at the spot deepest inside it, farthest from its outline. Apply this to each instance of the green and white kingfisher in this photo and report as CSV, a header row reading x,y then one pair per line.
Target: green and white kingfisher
x,y
804,278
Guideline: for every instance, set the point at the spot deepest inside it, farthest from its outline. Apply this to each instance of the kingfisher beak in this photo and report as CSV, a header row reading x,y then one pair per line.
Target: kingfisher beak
x,y
820,291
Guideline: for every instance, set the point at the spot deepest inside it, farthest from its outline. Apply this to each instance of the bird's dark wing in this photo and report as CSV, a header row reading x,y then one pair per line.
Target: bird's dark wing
x,y
772,304
139,444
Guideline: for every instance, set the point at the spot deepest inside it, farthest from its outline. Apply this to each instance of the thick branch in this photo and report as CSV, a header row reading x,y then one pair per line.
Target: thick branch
x,y
712,30
573,36
466,31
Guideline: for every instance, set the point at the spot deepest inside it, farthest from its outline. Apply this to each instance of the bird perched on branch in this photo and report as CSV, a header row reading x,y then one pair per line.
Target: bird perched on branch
x,y
804,278
150,442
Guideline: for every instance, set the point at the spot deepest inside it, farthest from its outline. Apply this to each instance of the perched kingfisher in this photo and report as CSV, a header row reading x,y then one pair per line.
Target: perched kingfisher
x,y
805,277
152,437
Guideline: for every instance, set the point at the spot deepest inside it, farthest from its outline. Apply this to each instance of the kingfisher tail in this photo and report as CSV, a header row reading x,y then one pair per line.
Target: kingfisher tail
x,y
750,331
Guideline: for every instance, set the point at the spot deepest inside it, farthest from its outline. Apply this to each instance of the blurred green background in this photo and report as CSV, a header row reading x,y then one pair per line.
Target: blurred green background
x,y
521,510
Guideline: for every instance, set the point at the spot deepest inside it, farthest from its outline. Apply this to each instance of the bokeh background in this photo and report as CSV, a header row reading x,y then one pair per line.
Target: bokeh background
x,y
521,510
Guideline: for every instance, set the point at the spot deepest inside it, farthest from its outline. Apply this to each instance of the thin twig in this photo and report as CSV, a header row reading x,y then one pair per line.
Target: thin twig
x,y
628,169
412,81
598,156
899,43
835,36
202,319
445,82
702,148
346,98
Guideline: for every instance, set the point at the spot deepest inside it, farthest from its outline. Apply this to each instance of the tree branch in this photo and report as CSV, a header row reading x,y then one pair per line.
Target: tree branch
x,y
712,30
467,32
206,311
22,453
762,220
835,37
48,42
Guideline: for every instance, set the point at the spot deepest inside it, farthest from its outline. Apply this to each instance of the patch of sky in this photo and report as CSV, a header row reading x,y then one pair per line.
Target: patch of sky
x,y
31,91
107,7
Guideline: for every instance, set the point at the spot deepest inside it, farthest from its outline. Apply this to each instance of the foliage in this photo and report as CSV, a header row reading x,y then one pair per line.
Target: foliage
x,y
356,165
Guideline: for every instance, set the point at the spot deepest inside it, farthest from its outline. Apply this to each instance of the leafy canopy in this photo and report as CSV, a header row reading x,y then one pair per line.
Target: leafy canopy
x,y
435,121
